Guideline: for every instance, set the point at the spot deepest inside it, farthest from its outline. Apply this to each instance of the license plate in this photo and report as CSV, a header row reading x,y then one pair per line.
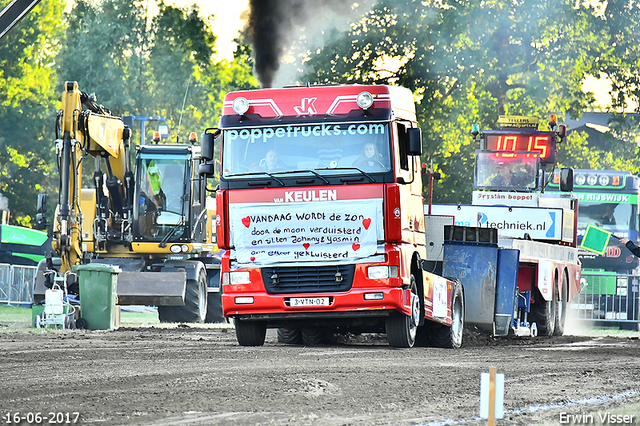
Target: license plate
x,y
308,301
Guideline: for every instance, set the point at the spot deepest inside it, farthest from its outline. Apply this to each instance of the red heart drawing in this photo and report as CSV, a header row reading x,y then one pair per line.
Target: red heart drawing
x,y
246,221
355,247
366,223
306,246
252,258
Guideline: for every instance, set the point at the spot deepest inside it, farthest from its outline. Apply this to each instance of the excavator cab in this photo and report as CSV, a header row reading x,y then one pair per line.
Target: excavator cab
x,y
162,197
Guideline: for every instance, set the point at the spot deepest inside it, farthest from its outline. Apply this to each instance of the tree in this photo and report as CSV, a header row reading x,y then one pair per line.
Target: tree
x,y
468,62
26,92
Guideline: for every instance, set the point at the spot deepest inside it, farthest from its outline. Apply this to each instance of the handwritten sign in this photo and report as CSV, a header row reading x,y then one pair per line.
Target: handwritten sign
x,y
322,231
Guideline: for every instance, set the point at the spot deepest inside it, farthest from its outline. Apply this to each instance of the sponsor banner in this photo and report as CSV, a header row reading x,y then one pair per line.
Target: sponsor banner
x,y
607,198
322,231
511,222
489,198
306,195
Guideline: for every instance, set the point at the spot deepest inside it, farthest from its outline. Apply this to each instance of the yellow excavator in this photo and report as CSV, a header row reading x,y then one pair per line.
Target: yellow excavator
x,y
147,214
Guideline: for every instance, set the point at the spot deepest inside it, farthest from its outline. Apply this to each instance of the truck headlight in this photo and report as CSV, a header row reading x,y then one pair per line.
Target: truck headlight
x,y
239,277
381,272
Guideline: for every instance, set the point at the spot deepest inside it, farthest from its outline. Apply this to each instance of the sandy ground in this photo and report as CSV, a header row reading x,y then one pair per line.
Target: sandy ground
x,y
198,375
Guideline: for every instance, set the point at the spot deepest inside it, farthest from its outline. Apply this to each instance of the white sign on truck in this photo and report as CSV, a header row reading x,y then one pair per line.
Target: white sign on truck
x,y
511,222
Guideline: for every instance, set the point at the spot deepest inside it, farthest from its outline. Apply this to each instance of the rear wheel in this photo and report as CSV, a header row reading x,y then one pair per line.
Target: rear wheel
x,y
314,336
544,313
402,329
290,336
250,333
445,336
195,303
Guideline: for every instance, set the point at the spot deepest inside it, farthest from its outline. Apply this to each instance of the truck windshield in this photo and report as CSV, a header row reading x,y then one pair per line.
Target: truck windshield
x,y
348,147
502,171
607,215
160,195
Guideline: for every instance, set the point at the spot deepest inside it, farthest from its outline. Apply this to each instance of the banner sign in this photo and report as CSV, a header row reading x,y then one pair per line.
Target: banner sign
x,y
511,222
303,232
607,198
521,199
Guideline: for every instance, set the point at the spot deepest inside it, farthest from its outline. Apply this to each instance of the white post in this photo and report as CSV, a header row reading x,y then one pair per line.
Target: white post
x,y
491,396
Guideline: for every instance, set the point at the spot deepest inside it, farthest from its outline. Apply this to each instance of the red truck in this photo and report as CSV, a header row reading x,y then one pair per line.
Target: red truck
x,y
320,216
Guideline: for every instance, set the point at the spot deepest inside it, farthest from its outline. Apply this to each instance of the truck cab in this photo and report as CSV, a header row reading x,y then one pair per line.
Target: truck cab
x,y
319,211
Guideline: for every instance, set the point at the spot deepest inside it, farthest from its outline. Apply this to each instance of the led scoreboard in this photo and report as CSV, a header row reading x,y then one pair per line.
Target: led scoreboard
x,y
542,143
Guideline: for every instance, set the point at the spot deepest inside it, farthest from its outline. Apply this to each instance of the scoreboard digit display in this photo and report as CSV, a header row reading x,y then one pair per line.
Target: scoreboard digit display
x,y
543,143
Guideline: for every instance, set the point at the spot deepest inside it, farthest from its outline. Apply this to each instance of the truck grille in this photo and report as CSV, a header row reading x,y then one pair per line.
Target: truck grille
x,y
308,279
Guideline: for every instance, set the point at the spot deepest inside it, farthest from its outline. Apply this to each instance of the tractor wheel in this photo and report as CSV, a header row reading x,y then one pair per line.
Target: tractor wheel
x,y
214,308
195,303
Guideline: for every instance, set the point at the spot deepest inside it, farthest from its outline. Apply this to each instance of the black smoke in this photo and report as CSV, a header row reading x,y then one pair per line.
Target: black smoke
x,y
273,25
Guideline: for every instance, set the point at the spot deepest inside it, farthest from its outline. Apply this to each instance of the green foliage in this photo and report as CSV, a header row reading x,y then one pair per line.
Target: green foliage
x,y
160,66
26,95
468,62
136,66
106,52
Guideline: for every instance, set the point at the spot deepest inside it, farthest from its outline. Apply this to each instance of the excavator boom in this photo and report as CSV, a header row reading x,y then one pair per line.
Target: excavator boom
x,y
13,13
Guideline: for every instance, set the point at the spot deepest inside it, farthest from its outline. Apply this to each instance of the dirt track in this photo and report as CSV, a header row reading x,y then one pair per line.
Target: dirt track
x,y
195,375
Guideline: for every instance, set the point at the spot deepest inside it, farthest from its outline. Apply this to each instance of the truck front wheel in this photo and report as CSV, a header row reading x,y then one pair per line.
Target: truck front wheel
x,y
250,333
401,329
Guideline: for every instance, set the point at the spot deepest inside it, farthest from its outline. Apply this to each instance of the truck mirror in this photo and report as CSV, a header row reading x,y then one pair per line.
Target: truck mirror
x,y
566,180
41,212
414,141
206,169
207,146
42,203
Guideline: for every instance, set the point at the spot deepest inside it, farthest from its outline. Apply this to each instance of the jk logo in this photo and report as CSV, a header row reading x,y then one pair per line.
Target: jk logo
x,y
307,107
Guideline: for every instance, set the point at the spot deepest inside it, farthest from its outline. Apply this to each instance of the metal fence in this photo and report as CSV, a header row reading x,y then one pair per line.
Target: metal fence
x,y
607,298
16,284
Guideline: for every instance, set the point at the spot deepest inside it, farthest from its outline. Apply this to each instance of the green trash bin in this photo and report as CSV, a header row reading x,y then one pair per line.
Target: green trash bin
x,y
97,285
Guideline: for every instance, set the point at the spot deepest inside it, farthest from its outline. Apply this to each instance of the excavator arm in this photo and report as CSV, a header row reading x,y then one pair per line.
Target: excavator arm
x,y
13,13
92,131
